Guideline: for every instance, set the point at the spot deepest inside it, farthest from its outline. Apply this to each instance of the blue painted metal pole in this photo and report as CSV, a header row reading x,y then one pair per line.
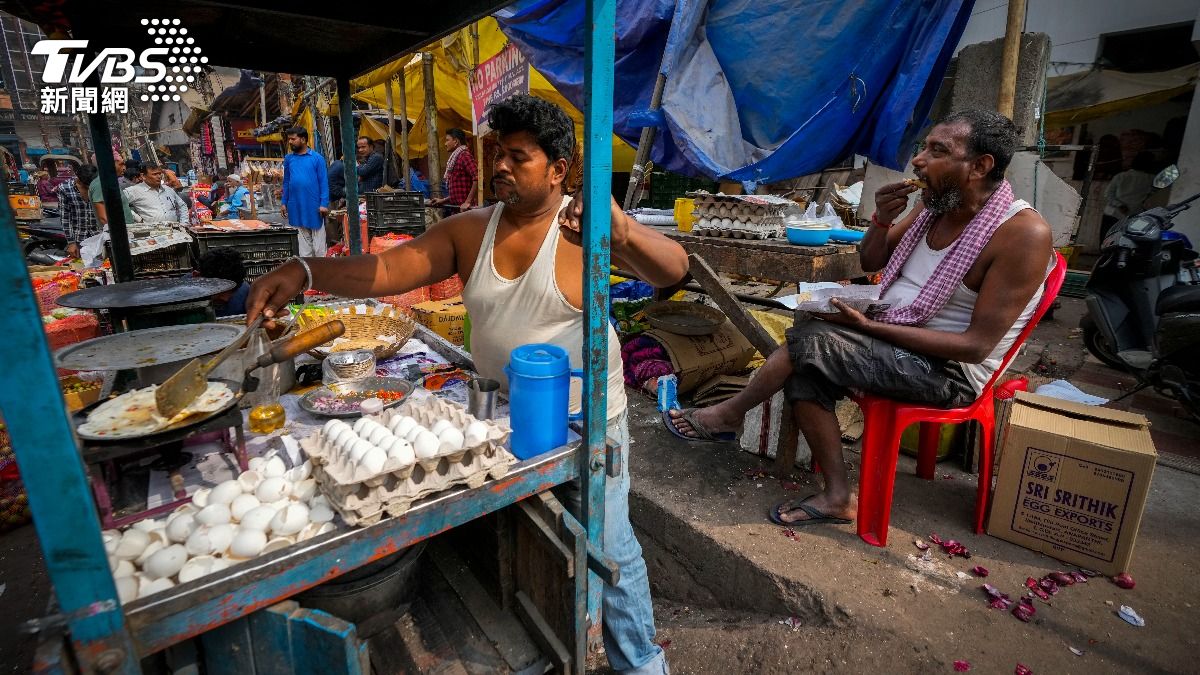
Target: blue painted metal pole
x,y
599,53
67,525
346,117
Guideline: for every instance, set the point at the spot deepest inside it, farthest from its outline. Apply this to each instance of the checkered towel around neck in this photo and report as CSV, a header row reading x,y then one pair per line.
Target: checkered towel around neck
x,y
936,291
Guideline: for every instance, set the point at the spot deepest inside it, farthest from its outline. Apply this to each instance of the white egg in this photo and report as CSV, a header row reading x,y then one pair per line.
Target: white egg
x,y
221,536
248,543
215,514
360,448
280,504
426,445
399,426
380,436
255,464
151,548
277,544
326,527
124,568
185,508
112,539
257,519
166,563
475,434
181,527
373,461
290,519
196,568
415,432
304,490
199,543
148,586
249,481
219,564
441,426
360,425
402,451
299,473
243,504
200,497
347,442
159,535
274,468
320,514
329,427
225,492
272,490
319,500
131,544
127,589
451,440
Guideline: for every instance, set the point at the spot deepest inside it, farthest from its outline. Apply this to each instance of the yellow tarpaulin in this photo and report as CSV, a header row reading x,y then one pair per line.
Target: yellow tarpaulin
x,y
452,62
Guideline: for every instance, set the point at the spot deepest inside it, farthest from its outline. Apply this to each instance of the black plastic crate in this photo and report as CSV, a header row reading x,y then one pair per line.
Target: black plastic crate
x,y
172,261
395,208
277,243
258,268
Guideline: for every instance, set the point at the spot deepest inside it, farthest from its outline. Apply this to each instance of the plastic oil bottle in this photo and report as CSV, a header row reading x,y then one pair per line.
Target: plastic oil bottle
x,y
266,413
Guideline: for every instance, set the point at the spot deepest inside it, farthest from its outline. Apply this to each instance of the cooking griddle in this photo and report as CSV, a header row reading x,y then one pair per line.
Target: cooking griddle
x,y
148,347
146,293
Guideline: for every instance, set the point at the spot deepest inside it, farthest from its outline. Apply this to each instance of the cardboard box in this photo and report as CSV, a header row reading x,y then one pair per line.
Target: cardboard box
x,y
699,358
1072,481
444,317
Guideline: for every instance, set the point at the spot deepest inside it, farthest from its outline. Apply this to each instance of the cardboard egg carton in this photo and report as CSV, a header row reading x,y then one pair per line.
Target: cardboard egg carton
x,y
740,216
363,499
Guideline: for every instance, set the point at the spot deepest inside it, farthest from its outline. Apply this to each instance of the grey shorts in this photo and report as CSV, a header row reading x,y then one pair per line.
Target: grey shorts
x,y
828,361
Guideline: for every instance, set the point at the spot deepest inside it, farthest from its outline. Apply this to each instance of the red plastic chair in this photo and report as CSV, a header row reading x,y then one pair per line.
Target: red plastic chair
x,y
887,419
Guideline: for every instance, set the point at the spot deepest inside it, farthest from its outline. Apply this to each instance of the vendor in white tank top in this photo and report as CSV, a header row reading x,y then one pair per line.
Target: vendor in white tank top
x,y
522,265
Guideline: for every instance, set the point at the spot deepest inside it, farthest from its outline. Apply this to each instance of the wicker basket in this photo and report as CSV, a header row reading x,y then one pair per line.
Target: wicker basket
x,y
363,329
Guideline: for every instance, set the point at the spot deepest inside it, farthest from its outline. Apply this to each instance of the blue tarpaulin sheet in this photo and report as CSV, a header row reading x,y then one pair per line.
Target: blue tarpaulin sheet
x,y
758,91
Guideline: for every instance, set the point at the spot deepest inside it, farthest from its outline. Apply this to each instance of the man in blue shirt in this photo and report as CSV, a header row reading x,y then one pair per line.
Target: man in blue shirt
x,y
305,200
238,198
370,166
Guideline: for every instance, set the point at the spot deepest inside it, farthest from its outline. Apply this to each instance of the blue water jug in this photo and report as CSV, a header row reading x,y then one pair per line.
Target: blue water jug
x,y
539,386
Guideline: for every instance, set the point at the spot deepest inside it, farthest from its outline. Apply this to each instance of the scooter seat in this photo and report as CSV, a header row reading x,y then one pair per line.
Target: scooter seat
x,y
1180,298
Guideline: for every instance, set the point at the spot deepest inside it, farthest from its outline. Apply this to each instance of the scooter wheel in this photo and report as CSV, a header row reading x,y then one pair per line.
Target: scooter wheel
x,y
1098,345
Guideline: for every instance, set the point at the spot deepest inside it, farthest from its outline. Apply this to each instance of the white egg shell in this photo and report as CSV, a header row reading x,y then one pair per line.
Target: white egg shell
x,y
159,535
361,424
131,545
255,464
241,505
426,445
305,489
329,427
290,519
475,433
299,473
124,568
248,543
359,449
414,433
440,426
127,589
196,568
185,508
280,504
153,547
320,513
379,436
278,543
319,500
181,527
373,461
451,440
148,586
274,468
257,519
249,480
272,490
215,514
200,497
221,536
225,492
165,563
325,528
400,426
199,543
219,564
402,452
115,535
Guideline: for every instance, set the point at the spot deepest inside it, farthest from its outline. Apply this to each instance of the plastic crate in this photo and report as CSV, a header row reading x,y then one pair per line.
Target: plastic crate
x,y
258,268
172,261
666,187
381,230
385,209
275,244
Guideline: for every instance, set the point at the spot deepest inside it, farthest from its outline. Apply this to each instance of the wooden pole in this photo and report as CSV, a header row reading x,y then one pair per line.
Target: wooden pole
x,y
433,156
478,136
390,146
1011,57
404,165
645,142
346,117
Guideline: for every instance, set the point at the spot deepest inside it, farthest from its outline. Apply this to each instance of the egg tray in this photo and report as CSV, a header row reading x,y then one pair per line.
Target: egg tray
x,y
364,499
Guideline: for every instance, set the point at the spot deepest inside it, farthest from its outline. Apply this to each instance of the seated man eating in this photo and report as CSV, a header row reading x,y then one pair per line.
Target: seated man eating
x,y
962,273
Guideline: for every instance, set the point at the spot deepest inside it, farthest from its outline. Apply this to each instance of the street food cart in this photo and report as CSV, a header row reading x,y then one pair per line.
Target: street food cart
x,y
242,613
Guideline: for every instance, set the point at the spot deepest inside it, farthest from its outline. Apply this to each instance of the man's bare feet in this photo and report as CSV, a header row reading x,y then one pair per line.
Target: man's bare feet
x,y
790,511
714,419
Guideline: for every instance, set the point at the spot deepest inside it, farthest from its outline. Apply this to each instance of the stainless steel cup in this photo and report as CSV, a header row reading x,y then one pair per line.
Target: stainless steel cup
x,y
481,398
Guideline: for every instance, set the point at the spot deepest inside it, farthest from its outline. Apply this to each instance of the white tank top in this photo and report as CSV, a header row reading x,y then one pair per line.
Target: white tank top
x,y
955,316
508,313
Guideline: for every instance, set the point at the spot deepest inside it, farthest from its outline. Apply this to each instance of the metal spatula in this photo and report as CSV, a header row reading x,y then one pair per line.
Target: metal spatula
x,y
191,381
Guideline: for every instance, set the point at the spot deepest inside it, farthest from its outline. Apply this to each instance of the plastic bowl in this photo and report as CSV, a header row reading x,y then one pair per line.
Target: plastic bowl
x,y
847,236
809,235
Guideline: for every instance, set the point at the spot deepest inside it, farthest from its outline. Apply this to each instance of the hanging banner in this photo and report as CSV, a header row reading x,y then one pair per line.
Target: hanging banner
x,y
505,74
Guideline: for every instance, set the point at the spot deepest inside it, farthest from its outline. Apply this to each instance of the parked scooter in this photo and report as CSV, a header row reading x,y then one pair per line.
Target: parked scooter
x,y
1143,301
43,242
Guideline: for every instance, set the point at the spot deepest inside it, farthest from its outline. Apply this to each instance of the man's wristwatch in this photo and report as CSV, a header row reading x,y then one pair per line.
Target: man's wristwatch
x,y
308,283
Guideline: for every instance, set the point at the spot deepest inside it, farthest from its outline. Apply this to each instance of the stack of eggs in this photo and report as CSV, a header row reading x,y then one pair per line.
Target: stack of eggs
x,y
266,508
367,448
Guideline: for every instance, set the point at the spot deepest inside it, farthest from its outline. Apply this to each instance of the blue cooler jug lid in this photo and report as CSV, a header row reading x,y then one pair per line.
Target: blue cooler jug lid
x,y
539,360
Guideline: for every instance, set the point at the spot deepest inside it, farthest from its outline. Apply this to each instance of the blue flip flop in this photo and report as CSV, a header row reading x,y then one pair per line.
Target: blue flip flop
x,y
703,435
815,516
